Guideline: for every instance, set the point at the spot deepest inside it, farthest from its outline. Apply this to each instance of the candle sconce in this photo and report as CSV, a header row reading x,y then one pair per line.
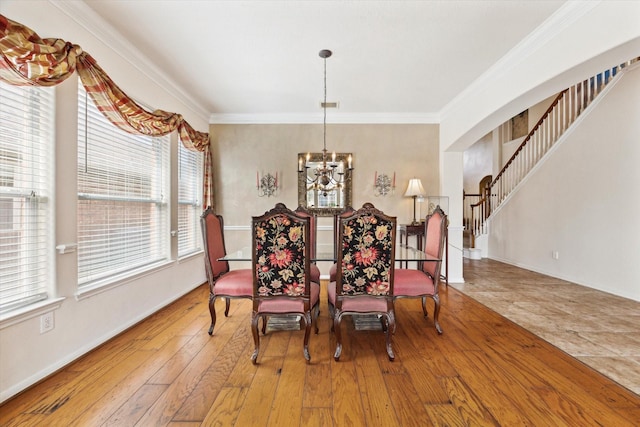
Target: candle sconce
x,y
267,185
383,184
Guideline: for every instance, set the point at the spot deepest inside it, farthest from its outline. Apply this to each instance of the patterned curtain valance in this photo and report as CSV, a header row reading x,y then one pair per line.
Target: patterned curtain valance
x,y
29,60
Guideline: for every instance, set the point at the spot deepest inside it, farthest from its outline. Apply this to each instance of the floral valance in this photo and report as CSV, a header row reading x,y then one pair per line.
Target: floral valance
x,y
26,59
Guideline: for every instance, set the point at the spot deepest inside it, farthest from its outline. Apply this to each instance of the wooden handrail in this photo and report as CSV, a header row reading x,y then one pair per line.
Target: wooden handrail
x,y
529,136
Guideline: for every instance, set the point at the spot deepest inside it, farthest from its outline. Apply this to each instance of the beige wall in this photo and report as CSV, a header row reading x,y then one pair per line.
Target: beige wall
x,y
241,150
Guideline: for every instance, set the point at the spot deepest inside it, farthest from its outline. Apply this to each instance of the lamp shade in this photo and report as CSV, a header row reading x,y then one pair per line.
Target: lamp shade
x,y
414,188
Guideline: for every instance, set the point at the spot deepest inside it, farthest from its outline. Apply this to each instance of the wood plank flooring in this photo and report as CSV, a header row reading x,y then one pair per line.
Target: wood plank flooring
x,y
484,370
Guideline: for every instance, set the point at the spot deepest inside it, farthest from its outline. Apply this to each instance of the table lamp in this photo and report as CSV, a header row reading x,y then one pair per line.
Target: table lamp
x,y
414,189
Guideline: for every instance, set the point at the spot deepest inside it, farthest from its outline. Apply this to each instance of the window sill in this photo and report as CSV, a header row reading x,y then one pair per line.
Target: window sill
x,y
30,311
197,254
113,282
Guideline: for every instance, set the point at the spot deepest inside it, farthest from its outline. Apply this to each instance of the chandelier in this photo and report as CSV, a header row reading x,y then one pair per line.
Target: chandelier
x,y
329,175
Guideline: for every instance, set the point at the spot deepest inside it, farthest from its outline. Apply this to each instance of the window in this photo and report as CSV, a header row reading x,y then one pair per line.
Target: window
x,y
189,200
26,144
123,212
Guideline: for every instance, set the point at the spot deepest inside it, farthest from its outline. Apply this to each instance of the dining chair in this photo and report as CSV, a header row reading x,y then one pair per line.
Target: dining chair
x,y
282,284
313,233
424,281
224,283
346,212
365,271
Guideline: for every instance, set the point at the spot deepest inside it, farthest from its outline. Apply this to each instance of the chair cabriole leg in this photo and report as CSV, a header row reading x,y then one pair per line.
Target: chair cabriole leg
x,y
212,310
436,312
307,332
391,319
227,302
256,338
336,326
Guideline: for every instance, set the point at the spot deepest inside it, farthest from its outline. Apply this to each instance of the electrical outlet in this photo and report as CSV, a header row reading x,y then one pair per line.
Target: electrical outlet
x,y
555,255
46,322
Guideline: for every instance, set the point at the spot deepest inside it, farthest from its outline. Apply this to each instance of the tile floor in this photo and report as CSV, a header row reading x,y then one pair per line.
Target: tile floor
x,y
600,329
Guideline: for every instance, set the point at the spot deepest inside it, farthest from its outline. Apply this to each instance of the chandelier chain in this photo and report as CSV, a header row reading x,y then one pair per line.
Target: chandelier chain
x,y
324,120
325,178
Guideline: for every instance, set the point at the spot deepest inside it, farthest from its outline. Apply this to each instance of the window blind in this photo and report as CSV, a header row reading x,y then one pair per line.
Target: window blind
x,y
26,145
123,181
189,204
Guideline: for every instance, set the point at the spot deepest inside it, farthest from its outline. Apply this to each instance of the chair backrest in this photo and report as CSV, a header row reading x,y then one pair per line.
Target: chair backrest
x,y
313,228
366,253
212,227
280,240
434,232
348,210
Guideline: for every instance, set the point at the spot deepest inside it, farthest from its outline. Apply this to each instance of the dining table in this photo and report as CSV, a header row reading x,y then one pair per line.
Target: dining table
x,y
403,254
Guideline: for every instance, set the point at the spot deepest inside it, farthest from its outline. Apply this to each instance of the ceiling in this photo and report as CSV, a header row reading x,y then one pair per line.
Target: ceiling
x,y
258,60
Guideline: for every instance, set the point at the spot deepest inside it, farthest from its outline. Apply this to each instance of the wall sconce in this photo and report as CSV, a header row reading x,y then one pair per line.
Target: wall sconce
x,y
383,184
267,185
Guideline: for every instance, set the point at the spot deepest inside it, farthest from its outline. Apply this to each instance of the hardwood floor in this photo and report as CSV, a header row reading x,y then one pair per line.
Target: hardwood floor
x,y
484,370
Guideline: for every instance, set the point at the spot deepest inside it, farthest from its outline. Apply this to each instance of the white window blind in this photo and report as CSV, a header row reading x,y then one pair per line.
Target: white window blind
x,y
123,181
26,144
189,200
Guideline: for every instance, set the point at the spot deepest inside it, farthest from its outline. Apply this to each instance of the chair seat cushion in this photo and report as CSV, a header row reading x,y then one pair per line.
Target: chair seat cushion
x,y
235,283
315,274
286,304
332,272
358,304
412,283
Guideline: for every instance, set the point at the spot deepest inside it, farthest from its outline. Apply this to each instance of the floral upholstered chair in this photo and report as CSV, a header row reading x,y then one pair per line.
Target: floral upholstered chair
x,y
282,281
334,267
222,282
313,232
423,282
365,271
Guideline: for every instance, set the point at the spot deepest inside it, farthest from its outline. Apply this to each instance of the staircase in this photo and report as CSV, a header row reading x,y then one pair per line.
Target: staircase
x,y
563,112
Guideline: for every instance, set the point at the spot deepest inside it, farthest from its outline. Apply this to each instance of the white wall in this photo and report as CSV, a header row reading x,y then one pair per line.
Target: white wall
x,y
477,163
81,324
580,40
582,201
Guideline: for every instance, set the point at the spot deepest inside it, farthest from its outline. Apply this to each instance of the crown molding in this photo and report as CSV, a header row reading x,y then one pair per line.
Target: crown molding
x,y
558,22
103,31
354,118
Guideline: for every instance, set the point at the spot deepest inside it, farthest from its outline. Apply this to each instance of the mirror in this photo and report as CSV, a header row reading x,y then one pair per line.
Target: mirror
x,y
332,197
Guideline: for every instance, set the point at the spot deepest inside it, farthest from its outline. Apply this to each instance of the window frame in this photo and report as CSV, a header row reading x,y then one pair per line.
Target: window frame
x,y
27,126
150,186
192,201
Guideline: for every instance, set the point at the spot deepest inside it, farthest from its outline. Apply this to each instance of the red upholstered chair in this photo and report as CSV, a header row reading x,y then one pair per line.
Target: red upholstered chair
x,y
313,232
282,283
365,271
222,282
424,282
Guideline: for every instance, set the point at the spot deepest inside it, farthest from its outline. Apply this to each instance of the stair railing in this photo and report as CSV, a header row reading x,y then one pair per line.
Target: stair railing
x,y
476,211
561,114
